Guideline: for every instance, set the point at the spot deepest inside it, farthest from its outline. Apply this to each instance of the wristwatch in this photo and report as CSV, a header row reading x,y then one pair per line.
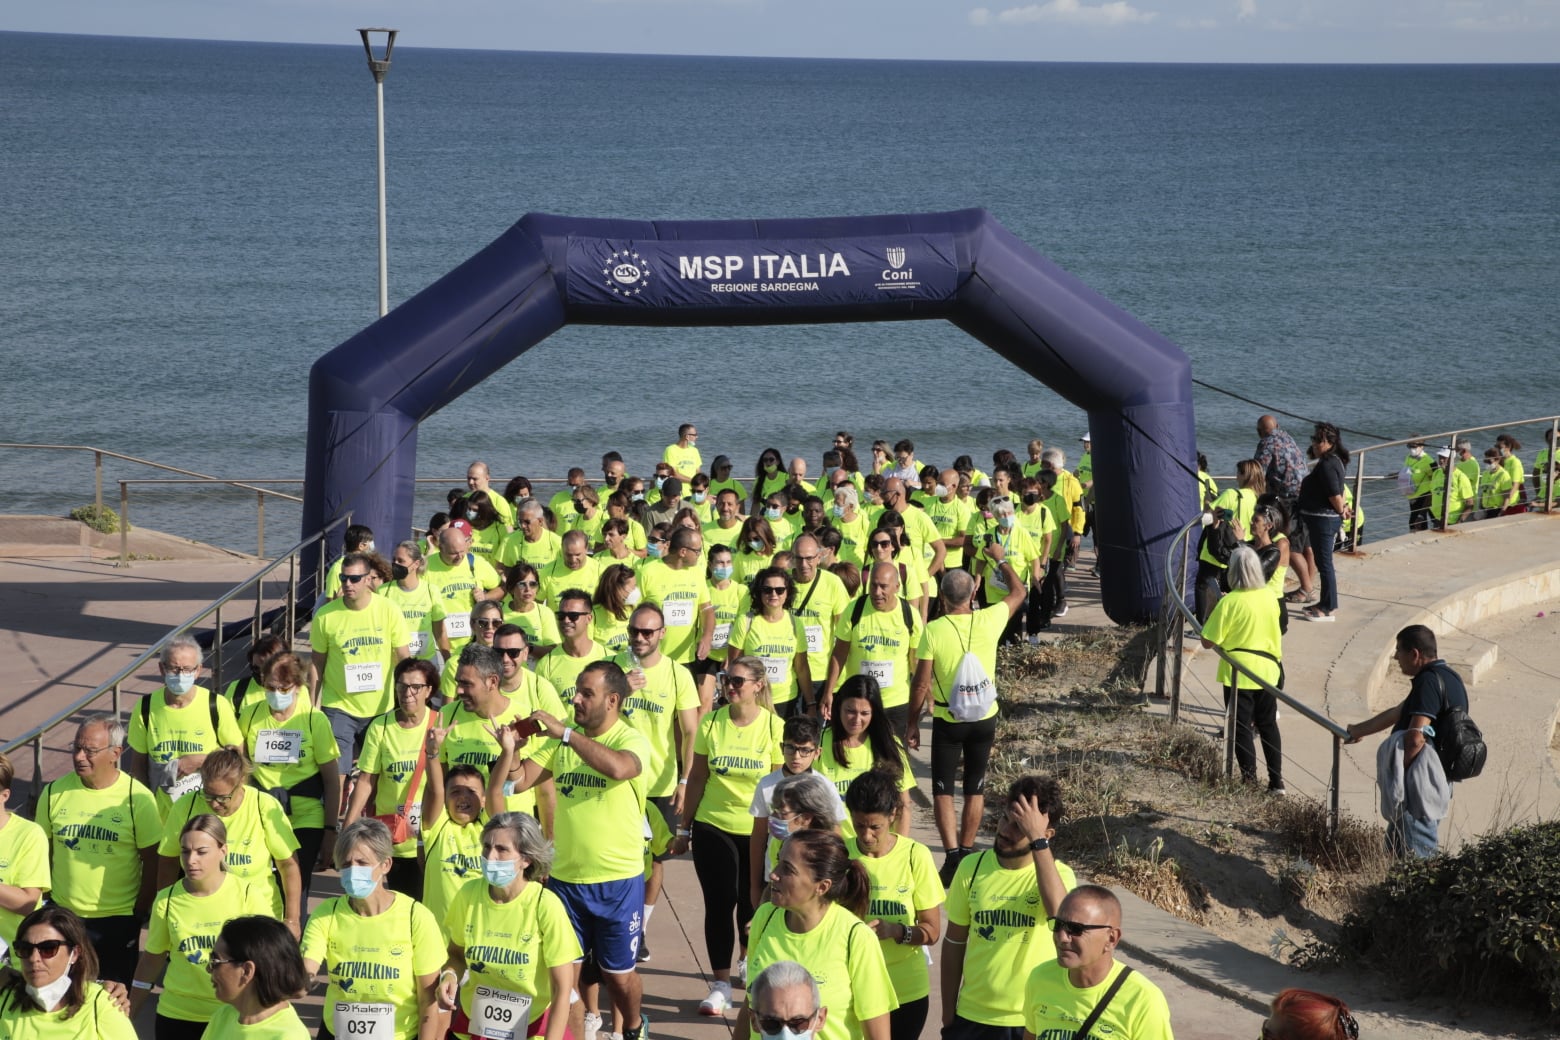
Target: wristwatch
x,y
1039,844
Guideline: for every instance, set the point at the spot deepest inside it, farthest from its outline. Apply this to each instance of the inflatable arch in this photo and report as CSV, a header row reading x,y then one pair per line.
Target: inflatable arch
x,y
367,396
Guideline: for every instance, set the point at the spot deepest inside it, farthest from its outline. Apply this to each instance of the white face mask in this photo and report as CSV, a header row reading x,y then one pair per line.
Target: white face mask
x,y
280,700
47,997
632,599
786,1034
1416,452
368,547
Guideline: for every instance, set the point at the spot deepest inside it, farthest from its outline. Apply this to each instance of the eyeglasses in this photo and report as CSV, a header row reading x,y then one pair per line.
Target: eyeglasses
x,y
643,633
799,749
219,799
1072,928
572,615
77,749
771,1026
512,652
526,584
814,558
411,687
353,579
774,590
213,961
46,949
488,622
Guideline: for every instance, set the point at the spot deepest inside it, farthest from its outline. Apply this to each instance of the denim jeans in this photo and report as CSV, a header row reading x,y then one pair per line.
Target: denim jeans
x,y
1322,530
1409,837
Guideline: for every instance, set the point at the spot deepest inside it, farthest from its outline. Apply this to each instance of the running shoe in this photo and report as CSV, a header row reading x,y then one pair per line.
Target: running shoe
x,y
740,973
719,1000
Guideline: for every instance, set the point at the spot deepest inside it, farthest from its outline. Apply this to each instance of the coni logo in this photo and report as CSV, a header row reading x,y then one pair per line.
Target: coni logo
x,y
626,273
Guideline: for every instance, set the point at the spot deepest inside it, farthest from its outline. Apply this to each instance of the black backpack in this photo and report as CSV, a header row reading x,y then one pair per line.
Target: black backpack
x,y
1458,740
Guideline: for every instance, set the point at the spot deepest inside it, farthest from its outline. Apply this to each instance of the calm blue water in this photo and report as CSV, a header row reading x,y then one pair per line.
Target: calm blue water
x,y
188,225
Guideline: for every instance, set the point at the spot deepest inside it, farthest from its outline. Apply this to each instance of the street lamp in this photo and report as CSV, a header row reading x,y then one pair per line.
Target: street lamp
x,y
380,66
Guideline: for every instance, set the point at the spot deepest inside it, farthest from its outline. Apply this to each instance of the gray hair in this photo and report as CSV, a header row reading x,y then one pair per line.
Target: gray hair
x,y
1056,458
368,832
957,586
182,641
529,507
808,792
529,839
849,493
483,658
1245,570
783,975
111,723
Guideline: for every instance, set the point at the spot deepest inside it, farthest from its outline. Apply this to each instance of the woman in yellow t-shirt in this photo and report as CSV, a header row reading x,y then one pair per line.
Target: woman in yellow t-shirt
x,y
755,549
860,738
407,590
886,543
774,635
729,598
185,919
257,972
1245,624
520,585
737,746
617,593
907,897
383,949
487,527
55,958
513,953
818,895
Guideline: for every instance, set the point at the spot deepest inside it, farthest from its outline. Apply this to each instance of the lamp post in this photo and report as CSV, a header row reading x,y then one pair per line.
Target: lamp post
x,y
380,66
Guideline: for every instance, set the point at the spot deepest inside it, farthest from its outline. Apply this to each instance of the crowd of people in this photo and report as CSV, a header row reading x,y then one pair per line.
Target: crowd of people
x,y
500,734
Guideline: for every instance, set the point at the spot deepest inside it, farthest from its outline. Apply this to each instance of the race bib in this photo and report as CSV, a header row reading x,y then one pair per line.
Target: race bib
x,y
368,677
722,636
678,612
374,1021
814,635
279,747
415,816
497,1014
183,786
419,643
457,626
775,670
882,671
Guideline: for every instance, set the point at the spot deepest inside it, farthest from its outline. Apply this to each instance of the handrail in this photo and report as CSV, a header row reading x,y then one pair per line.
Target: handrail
x,y
1175,593
112,685
100,453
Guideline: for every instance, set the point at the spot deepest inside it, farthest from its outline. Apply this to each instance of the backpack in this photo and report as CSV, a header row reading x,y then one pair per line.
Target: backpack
x,y
861,606
1458,740
973,692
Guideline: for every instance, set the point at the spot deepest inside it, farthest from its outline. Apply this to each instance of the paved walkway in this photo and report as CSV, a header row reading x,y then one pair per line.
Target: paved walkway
x,y
73,620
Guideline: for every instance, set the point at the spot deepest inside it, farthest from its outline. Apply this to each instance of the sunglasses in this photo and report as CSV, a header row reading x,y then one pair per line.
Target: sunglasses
x,y
48,948
352,579
736,682
572,615
772,1026
880,544
525,584
773,590
643,633
511,652
1072,928
488,622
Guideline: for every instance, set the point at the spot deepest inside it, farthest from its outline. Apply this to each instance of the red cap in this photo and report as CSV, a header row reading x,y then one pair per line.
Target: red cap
x,y
461,525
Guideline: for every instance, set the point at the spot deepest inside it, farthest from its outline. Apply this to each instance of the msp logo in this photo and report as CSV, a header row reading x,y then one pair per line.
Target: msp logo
x,y
626,274
896,257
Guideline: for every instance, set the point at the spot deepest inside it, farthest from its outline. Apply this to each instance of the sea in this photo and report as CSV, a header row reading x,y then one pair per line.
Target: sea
x,y
188,225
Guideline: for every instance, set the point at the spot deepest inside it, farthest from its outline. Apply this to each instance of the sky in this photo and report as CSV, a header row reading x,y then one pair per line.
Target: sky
x,y
1003,30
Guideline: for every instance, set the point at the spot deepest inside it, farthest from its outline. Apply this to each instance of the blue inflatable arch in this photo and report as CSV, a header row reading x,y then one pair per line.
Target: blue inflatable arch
x,y
367,396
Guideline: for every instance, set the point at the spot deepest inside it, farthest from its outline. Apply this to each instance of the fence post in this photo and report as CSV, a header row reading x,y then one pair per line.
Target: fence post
x,y
1333,818
292,598
1359,497
254,628
1230,706
1163,624
260,524
216,660
37,777
1446,496
114,701
124,525
97,480
1178,640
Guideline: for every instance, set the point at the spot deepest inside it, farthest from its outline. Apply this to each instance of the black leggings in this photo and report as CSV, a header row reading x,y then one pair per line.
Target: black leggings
x,y
969,741
721,860
178,1029
309,841
906,1021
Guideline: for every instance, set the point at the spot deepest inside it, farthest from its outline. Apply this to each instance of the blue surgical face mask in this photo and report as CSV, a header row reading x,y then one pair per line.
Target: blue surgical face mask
x,y
1005,520
653,551
721,573
179,683
471,514
358,882
638,496
699,497
838,511
500,872
280,700
779,829
771,513
756,544
660,482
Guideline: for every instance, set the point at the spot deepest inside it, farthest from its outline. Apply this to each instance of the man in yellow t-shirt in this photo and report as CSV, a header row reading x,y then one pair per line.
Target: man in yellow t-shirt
x,y
598,768
574,568
998,903
877,636
478,479
576,649
819,601
1062,995
925,541
683,456
103,827
24,860
727,525
531,542
173,729
678,587
459,577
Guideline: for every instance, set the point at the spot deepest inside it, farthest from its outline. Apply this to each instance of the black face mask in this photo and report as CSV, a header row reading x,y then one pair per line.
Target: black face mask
x,y
1031,497
397,571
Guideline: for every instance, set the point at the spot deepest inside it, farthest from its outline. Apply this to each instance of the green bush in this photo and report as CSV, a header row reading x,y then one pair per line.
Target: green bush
x,y
103,519
1482,925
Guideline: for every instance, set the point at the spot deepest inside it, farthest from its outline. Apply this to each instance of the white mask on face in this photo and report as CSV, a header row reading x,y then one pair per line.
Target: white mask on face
x,y
48,996
786,1034
632,599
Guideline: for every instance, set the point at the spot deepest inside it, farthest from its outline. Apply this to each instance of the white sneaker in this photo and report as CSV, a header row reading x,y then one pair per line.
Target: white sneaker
x,y
740,971
592,1026
718,1001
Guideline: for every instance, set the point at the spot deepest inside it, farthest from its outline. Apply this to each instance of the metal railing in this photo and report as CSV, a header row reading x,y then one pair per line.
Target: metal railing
x,y
1177,612
260,496
285,618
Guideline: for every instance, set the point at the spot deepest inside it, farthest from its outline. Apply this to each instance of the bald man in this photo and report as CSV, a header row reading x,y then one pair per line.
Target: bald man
x,y
878,636
479,479
1064,997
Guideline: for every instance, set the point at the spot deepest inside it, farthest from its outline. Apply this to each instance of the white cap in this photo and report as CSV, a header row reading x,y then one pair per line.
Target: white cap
x,y
1084,438
1444,453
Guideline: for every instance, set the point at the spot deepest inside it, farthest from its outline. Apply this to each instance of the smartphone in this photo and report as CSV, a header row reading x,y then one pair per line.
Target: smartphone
x,y
526,727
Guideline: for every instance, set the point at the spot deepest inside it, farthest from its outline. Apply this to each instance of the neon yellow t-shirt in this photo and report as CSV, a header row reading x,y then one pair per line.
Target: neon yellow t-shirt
x,y
281,1025
377,959
881,645
714,535
776,643
515,549
24,862
681,595
717,486
843,956
486,540
853,536
563,671
738,758
730,603
857,761
1247,619
416,607
904,882
1021,553
539,624
1054,1007
98,1019
1039,523
452,858
745,563
359,648
468,742
511,946
96,837
609,630
653,710
163,733
945,642
1006,917
597,828
184,926
258,834
390,754
950,518
454,587
284,761
685,462
557,578
818,605
920,532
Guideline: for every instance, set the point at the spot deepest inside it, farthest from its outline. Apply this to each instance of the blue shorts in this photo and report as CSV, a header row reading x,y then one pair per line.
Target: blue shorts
x,y
607,917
